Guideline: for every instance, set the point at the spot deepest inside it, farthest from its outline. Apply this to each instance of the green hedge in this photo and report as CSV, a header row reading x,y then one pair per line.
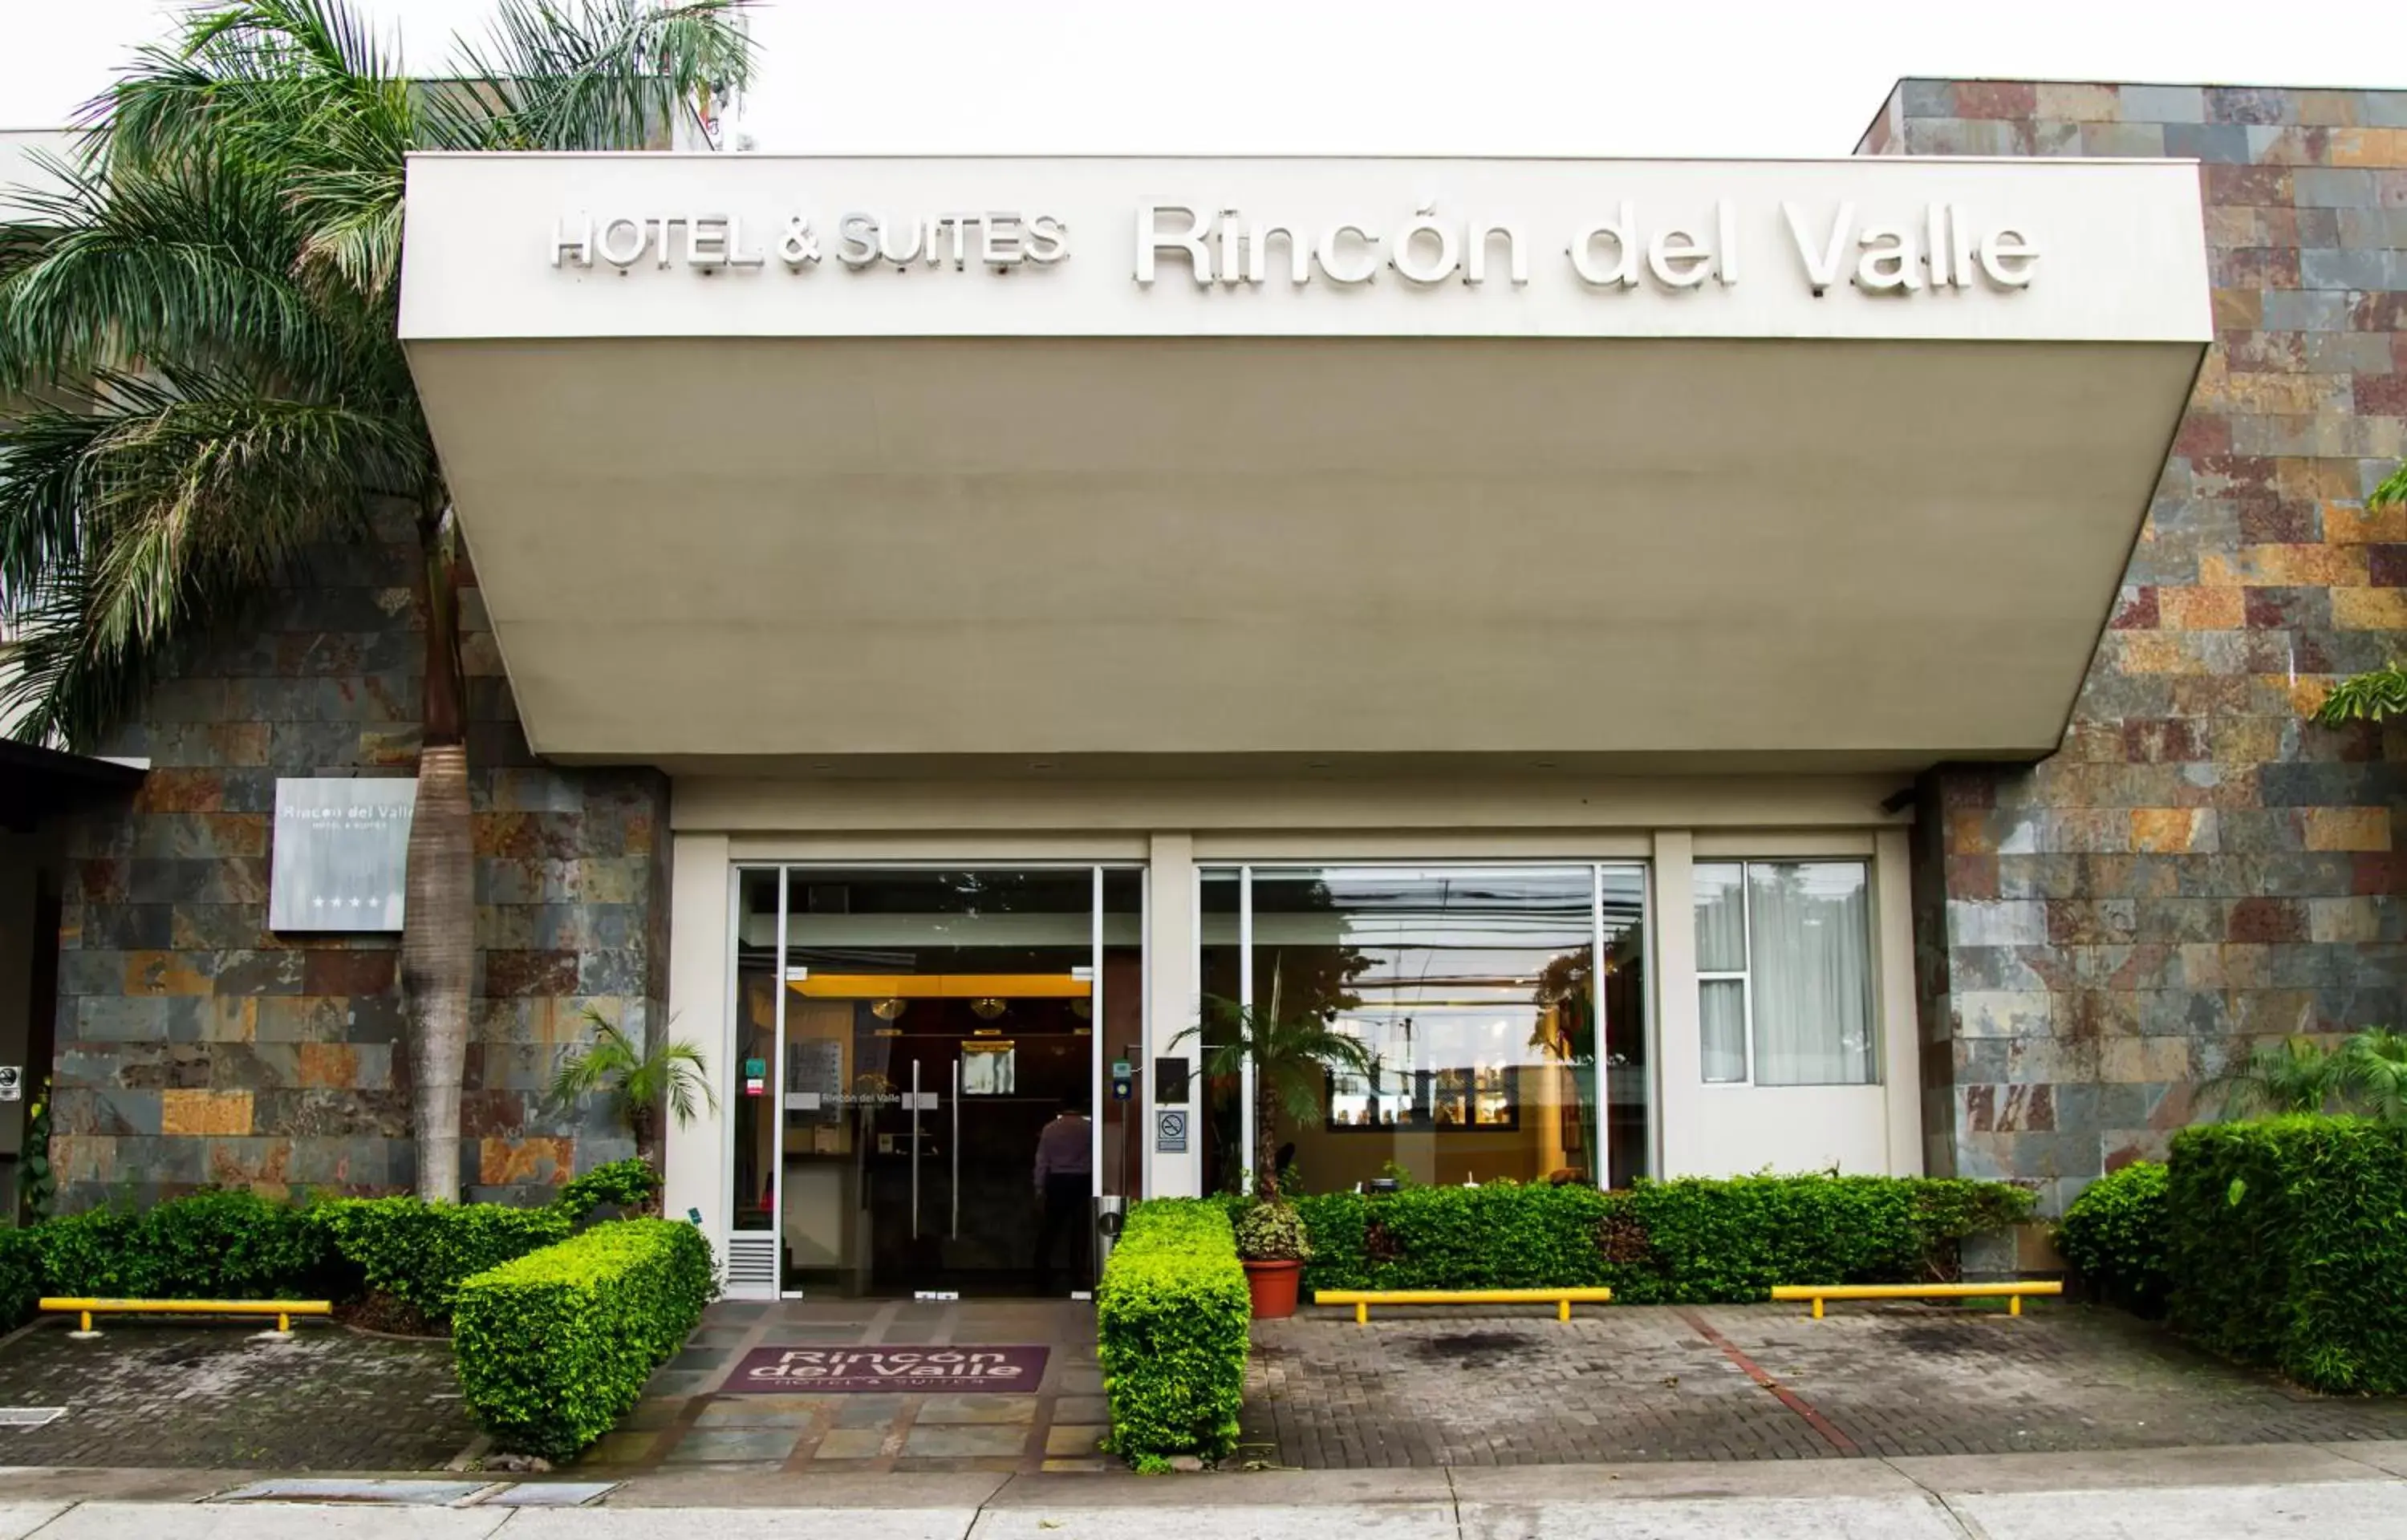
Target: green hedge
x,y
1171,1320
1691,1242
2287,1242
211,1245
419,1252
552,1349
20,1277
2114,1236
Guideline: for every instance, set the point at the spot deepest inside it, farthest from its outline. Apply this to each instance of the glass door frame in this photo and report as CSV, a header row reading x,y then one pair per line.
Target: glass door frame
x,y
1596,868
783,975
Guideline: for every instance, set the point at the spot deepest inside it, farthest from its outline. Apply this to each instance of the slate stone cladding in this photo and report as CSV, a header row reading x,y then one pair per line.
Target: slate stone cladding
x,y
2199,867
195,1047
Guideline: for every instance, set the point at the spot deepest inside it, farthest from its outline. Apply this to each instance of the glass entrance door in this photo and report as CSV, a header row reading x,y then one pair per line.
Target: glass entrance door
x,y
936,1036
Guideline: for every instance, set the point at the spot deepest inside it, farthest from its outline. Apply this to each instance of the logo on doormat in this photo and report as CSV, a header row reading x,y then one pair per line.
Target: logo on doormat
x,y
935,1371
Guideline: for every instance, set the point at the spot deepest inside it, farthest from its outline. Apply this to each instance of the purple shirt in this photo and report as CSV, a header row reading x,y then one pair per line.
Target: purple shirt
x,y
1065,1148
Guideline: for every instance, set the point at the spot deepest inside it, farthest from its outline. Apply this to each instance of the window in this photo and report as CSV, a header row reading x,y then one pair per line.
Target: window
x,y
1784,972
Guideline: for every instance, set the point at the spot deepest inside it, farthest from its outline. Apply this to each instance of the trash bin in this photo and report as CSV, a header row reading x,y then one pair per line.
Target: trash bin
x,y
1110,1213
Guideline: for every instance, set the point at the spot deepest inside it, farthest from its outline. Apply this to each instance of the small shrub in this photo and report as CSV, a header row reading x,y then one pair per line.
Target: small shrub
x,y
1271,1232
419,1252
210,1245
553,1348
1171,1322
2114,1236
2286,1242
20,1277
627,1185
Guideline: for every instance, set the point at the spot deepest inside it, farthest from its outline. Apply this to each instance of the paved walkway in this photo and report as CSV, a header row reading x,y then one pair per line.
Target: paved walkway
x,y
685,1420
173,1392
1489,1387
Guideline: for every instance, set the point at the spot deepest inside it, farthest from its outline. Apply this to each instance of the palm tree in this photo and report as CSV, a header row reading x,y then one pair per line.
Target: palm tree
x,y
1292,1058
639,1082
205,311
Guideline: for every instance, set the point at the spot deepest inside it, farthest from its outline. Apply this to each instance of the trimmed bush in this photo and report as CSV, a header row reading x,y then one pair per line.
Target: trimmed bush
x,y
1691,1241
553,1348
210,1245
2287,1242
419,1252
1171,1328
2114,1236
20,1277
627,1185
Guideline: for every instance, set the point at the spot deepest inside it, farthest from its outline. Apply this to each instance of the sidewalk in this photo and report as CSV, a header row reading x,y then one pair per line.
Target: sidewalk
x,y
2357,1490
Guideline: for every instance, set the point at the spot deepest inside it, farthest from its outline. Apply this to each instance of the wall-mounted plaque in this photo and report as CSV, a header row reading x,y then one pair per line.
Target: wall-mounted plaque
x,y
341,846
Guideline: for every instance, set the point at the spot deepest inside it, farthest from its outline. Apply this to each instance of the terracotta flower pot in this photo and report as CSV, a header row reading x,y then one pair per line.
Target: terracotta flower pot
x,y
1274,1286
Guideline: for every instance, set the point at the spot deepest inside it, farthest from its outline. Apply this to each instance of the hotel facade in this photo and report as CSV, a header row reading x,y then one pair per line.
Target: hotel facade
x,y
1702,667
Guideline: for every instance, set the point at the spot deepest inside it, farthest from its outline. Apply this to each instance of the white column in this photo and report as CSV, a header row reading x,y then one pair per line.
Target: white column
x,y
1679,1057
1901,1035
1169,1009
701,952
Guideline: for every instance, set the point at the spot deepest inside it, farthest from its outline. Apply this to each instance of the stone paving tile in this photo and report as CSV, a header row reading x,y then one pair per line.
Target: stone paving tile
x,y
712,1445
1467,1387
960,1443
977,1408
1073,1439
175,1394
850,1443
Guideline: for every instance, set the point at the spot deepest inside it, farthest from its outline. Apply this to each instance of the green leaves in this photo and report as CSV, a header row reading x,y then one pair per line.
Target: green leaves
x,y
2116,1235
1172,1322
554,1347
2303,1274
208,1245
1691,1241
419,1252
205,310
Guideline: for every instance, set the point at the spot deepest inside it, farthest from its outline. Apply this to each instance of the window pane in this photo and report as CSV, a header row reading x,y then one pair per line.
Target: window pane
x,y
1225,1161
756,1050
1811,954
1472,990
1721,919
1721,1013
1630,1088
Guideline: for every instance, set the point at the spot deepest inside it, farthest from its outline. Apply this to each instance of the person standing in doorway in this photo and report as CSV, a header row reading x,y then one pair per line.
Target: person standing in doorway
x,y
1065,1181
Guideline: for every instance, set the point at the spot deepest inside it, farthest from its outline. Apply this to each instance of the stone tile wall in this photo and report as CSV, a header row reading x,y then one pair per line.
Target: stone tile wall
x,y
2200,868
195,1047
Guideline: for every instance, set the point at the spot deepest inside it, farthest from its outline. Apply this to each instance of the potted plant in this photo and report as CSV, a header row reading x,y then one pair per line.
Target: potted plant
x,y
1271,1244
1291,1059
639,1081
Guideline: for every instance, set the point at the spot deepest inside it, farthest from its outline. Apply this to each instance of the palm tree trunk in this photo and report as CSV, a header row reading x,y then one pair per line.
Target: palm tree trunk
x,y
1267,1180
438,937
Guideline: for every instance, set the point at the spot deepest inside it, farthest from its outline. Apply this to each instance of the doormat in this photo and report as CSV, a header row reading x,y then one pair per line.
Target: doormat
x,y
916,1371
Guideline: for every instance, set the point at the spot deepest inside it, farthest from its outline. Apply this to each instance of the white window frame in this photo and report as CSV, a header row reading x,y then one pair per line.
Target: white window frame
x,y
1745,977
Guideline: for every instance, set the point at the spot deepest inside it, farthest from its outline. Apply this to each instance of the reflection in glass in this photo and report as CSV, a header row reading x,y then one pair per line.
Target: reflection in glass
x,y
1475,989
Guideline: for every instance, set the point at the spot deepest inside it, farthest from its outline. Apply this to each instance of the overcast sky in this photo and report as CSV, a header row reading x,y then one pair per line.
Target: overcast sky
x,y
1498,77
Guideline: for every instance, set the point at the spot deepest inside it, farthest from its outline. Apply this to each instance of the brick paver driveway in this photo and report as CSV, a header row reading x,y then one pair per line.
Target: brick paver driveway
x,y
1479,1386
169,1392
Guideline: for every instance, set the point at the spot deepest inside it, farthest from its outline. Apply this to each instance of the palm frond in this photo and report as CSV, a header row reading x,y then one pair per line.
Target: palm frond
x,y
2294,1075
2373,1073
2376,695
602,75
2392,491
137,525
128,265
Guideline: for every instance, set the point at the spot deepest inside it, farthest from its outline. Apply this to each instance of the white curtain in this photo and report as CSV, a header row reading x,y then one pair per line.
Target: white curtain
x,y
1721,948
1810,956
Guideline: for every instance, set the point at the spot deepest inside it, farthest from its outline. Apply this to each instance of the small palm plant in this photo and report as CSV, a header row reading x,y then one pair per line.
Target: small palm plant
x,y
1291,1058
2373,1073
639,1082
2294,1075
